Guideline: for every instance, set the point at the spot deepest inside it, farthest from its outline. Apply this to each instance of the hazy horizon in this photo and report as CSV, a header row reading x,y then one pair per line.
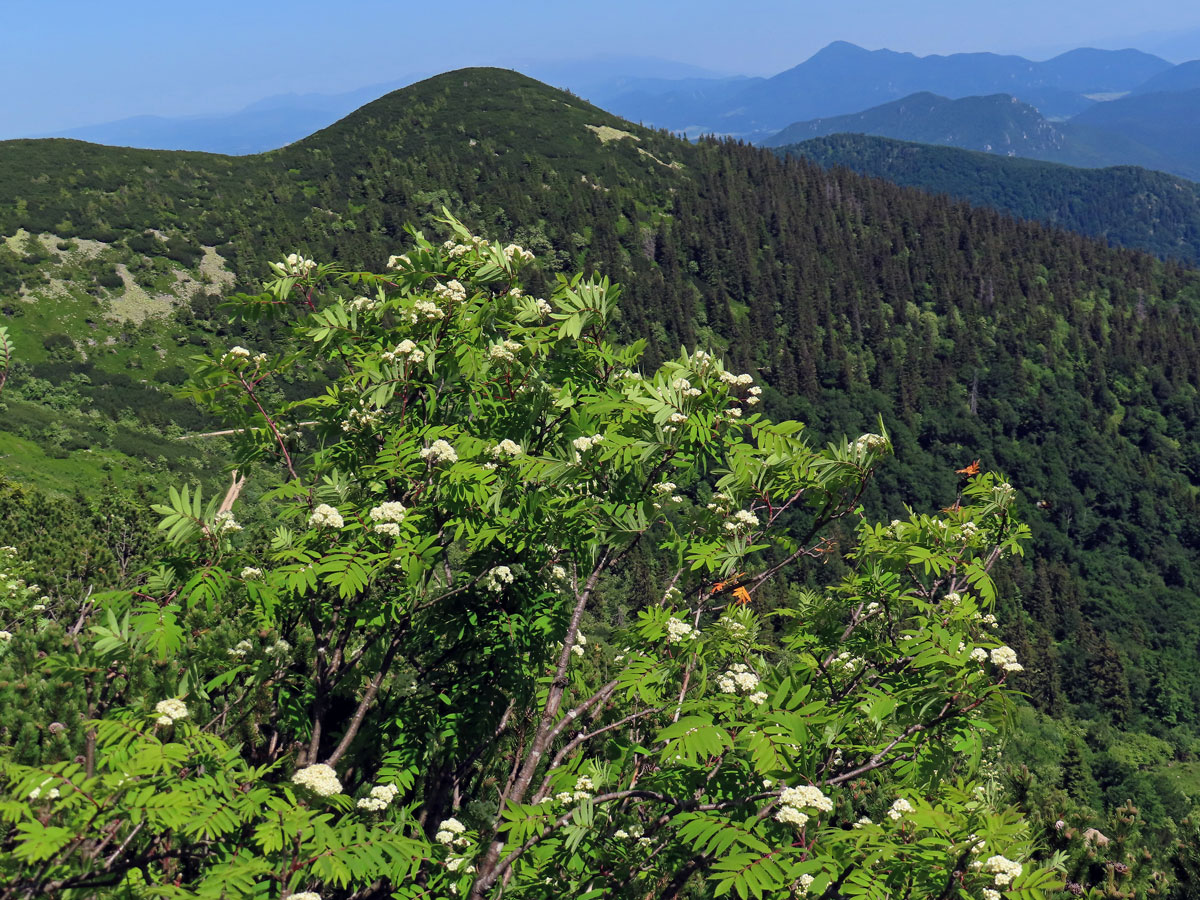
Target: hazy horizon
x,y
92,64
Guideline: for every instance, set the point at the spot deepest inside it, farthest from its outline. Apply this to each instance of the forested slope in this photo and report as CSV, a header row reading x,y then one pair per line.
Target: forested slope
x,y
1129,207
1067,364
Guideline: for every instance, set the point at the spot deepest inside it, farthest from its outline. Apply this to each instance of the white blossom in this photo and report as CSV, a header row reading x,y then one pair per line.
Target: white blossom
x,y
241,648
1006,659
304,895
1004,869
318,778
505,351
452,290
497,577
745,517
224,521
170,710
789,815
5,636
584,444
516,252
427,309
899,808
389,511
440,451
250,572
325,516
979,655
806,796
868,442
679,631
506,448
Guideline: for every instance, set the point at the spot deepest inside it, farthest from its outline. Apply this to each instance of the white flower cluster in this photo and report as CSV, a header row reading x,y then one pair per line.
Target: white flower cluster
x,y
326,516
868,442
679,631
733,626
583,788
439,451
793,802
543,308
497,578
979,655
506,448
1004,492
240,649
504,351
738,380
303,895
452,832
584,444
406,350
806,796
170,710
224,522
387,517
451,291
1002,867
52,794
514,251
899,808
318,778
360,419
720,502
580,643
297,265
363,304
5,636
235,354
455,250
804,882
1006,659
250,572
426,309
738,677
741,519
381,795
279,648
990,894
677,418
846,662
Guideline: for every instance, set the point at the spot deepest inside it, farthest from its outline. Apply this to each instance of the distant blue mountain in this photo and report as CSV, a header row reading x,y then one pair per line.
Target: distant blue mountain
x,y
998,124
844,78
275,121
267,124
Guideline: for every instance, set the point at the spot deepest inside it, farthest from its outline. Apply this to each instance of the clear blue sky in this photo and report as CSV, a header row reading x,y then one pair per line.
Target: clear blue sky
x,y
70,62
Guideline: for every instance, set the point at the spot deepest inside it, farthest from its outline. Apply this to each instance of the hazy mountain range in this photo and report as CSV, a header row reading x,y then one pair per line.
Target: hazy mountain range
x,y
1085,107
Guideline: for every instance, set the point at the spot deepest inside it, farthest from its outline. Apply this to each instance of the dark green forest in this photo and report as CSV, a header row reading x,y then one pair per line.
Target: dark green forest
x,y
1069,365
1126,205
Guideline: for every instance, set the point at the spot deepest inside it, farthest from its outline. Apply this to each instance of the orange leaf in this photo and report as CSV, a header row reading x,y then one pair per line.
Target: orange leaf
x,y
741,595
972,469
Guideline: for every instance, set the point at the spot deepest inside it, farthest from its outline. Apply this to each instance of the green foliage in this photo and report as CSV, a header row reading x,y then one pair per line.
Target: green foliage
x,y
412,705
